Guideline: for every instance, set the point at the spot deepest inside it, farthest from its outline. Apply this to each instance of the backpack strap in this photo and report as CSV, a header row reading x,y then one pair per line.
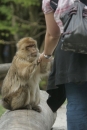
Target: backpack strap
x,y
53,4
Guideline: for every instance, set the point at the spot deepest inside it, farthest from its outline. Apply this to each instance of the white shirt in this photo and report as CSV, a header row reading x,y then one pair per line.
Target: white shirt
x,y
63,5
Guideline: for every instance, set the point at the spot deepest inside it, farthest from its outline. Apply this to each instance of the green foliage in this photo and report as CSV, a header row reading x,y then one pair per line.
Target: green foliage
x,y
6,19
2,110
6,11
43,84
19,17
24,2
28,2
5,1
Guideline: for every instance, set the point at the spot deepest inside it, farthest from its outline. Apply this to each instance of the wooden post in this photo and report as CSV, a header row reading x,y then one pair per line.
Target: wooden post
x,y
29,119
4,69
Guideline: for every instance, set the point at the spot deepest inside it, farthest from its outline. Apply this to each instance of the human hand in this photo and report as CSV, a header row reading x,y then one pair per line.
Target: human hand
x,y
42,58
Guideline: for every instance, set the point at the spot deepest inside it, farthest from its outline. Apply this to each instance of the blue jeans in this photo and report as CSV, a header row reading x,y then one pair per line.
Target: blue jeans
x,y
76,106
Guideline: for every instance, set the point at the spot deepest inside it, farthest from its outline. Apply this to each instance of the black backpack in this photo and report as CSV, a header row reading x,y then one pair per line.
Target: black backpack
x,y
74,37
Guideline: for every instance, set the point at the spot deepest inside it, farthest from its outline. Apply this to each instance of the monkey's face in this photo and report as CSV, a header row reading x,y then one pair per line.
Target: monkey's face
x,y
28,48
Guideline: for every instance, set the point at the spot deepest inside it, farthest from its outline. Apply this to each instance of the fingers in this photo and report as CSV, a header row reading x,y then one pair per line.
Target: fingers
x,y
43,59
39,59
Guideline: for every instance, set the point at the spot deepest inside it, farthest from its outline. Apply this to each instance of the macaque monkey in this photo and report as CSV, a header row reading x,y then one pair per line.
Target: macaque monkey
x,y
20,89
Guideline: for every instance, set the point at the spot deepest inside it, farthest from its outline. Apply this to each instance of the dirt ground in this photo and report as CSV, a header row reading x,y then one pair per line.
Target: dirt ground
x,y
60,123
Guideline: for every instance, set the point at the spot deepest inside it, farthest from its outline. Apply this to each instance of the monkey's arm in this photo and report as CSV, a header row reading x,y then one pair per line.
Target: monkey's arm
x,y
25,69
45,67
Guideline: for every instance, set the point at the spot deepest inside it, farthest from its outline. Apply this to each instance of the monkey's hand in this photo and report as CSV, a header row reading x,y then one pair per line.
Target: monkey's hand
x,y
25,69
46,66
32,67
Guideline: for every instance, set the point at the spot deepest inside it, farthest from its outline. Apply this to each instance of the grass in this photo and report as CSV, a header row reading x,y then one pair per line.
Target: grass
x,y
2,110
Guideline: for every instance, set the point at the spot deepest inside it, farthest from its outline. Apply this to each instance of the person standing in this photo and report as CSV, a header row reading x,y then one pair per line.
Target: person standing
x,y
68,78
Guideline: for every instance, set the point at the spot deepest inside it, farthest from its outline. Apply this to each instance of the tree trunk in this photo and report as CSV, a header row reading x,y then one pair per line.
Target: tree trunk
x,y
29,119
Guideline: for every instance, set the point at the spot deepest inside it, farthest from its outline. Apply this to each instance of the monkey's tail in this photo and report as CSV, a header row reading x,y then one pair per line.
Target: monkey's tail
x,y
5,104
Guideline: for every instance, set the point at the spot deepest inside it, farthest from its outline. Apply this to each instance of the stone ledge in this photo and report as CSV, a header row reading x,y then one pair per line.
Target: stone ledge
x,y
57,128
60,122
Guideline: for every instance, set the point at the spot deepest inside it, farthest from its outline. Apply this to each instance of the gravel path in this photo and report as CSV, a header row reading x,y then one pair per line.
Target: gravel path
x,y
60,123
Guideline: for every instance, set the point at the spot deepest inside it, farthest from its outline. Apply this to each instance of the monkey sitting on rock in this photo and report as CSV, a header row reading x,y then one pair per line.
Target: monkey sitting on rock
x,y
20,89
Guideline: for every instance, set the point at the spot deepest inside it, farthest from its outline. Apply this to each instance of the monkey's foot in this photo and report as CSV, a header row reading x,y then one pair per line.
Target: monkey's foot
x,y
28,107
37,108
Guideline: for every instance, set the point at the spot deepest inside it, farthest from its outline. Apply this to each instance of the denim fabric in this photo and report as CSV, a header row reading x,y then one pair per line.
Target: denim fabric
x,y
76,106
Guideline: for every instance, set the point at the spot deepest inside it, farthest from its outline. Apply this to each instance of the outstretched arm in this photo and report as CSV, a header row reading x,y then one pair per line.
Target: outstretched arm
x,y
51,37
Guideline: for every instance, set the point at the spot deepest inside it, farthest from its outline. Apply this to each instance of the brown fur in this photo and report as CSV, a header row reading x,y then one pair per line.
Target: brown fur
x,y
21,85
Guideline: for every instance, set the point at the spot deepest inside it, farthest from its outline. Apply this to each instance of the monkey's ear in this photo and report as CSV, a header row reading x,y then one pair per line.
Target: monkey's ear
x,y
18,45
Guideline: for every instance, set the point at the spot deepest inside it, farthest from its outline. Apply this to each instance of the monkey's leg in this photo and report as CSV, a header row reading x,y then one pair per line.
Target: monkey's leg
x,y
19,99
32,106
37,108
29,107
37,96
37,101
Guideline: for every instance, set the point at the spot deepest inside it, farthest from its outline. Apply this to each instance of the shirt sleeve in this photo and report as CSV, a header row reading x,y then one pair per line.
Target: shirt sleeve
x,y
46,6
48,9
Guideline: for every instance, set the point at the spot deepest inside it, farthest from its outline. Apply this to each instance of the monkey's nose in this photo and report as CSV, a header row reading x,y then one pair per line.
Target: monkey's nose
x,y
34,54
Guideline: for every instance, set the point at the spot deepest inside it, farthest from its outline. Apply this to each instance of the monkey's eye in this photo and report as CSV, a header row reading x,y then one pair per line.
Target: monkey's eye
x,y
30,46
